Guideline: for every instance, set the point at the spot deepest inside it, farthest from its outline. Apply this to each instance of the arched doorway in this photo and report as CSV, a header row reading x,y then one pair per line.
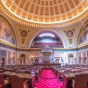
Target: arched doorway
x,y
22,59
56,60
36,61
70,58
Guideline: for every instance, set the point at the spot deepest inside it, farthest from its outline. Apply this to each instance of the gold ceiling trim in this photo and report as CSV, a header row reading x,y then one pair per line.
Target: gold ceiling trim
x,y
85,14
46,11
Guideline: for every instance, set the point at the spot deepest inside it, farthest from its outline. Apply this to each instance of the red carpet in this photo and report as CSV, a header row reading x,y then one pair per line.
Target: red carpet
x,y
48,80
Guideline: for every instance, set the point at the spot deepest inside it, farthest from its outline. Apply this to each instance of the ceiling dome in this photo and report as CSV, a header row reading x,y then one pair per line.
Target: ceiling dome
x,y
46,11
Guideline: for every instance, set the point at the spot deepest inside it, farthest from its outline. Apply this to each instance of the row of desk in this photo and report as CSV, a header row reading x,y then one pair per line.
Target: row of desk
x,y
78,74
22,73
70,72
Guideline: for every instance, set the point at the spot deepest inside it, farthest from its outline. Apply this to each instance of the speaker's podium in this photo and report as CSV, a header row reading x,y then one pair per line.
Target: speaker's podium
x,y
46,63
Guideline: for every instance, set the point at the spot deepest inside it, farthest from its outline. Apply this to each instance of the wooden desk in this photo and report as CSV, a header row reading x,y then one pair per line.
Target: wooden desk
x,y
22,75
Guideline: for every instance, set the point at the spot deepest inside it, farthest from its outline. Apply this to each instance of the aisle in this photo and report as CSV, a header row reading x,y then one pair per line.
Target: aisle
x,y
48,80
48,73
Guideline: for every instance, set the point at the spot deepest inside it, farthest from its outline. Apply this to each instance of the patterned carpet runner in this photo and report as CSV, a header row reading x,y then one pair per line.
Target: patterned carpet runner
x,y
48,80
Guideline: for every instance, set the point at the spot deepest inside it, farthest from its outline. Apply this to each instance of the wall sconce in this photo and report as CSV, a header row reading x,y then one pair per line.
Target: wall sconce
x,y
32,56
12,56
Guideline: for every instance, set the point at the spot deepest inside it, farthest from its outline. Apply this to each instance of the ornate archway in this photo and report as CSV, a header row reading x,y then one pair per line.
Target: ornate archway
x,y
56,41
58,34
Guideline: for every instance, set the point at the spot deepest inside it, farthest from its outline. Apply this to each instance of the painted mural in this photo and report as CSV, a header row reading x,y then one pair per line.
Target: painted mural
x,y
84,35
46,41
5,33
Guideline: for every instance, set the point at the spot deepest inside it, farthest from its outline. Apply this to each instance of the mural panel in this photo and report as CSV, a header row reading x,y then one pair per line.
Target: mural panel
x,y
84,35
5,33
40,42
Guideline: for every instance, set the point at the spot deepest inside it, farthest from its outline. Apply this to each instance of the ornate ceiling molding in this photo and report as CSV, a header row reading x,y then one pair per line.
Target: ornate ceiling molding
x,y
10,8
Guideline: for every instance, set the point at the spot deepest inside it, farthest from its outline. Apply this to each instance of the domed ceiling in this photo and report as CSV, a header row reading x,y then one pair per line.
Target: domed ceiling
x,y
46,11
